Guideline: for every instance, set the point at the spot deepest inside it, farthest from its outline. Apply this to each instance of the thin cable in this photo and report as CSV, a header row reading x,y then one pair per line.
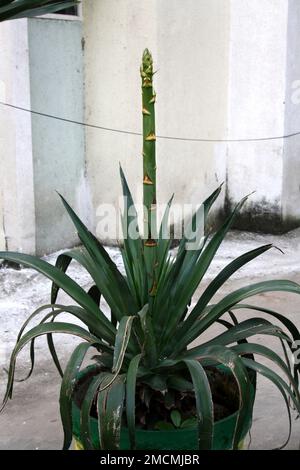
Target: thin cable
x,y
121,131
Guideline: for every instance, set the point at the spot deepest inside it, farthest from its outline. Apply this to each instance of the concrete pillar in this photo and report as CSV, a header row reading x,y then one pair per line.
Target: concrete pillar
x,y
41,69
18,210
56,81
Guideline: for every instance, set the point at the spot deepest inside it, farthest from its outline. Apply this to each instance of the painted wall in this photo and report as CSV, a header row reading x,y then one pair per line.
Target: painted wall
x,y
229,70
291,155
41,69
191,56
2,232
56,82
257,109
16,139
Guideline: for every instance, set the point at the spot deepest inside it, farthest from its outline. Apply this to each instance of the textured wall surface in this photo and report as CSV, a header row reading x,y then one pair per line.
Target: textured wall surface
x,y
56,81
291,158
191,57
257,109
16,182
224,70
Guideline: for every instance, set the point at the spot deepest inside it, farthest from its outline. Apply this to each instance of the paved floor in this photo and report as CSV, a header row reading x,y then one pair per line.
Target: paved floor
x,y
31,420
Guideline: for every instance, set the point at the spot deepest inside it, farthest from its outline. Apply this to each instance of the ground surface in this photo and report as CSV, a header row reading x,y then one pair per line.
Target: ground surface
x,y
31,420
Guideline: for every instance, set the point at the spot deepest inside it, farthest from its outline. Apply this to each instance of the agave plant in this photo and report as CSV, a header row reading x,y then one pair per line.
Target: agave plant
x,y
154,318
14,9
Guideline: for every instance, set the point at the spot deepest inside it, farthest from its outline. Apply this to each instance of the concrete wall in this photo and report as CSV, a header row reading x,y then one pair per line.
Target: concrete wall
x,y
41,69
56,81
16,139
226,69
257,89
2,232
291,157
191,56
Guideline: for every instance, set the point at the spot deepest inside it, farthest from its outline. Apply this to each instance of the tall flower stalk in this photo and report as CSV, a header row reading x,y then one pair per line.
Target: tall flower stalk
x,y
149,171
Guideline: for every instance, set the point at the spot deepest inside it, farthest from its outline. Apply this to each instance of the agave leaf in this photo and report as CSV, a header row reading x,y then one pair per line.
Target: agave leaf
x,y
40,330
171,270
204,403
32,360
164,242
230,359
162,298
195,273
68,285
110,409
130,397
253,348
149,339
238,334
53,353
246,329
284,320
207,204
156,382
95,294
63,262
214,286
133,247
47,9
57,309
110,281
33,315
179,383
208,317
10,9
186,284
77,312
121,343
105,360
184,258
225,323
67,388
279,383
89,399
49,341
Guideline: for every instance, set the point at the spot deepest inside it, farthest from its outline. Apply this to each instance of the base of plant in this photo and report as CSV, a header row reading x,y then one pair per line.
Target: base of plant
x,y
177,439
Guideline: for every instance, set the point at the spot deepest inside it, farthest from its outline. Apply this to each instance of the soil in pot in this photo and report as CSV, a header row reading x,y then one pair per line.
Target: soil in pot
x,y
154,407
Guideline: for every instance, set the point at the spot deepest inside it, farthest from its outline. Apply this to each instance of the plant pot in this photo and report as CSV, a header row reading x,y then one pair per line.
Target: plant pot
x,y
180,439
